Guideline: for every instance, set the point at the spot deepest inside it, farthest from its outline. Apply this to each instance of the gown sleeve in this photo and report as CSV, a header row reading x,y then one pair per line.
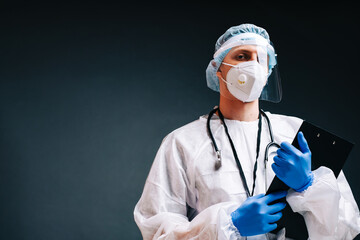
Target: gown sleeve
x,y
161,212
328,207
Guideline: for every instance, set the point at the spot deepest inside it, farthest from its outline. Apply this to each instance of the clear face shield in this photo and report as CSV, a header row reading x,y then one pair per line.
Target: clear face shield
x,y
249,70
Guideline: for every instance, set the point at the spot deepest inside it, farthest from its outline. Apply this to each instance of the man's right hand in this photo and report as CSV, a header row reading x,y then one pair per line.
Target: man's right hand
x,y
257,215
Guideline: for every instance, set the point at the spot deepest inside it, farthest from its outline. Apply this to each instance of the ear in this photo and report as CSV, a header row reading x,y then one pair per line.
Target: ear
x,y
219,72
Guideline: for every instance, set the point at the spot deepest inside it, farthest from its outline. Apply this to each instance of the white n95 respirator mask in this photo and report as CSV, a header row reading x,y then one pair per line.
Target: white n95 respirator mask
x,y
246,80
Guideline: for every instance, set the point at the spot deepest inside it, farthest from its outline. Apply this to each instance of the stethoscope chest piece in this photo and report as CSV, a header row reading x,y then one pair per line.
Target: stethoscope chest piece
x,y
218,160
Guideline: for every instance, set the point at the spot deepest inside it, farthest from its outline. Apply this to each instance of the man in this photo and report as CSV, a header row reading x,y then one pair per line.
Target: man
x,y
194,191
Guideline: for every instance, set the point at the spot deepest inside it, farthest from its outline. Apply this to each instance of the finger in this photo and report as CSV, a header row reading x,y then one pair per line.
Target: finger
x,y
280,161
276,207
288,148
277,170
274,196
304,147
282,154
280,171
270,227
275,217
258,196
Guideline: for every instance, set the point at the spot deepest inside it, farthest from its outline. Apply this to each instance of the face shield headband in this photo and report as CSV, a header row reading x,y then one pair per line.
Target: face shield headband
x,y
249,39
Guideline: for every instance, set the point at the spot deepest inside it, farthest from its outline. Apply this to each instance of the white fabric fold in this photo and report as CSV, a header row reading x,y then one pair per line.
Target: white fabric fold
x,y
183,177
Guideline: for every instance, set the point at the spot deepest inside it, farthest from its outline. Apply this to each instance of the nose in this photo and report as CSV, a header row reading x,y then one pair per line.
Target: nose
x,y
254,56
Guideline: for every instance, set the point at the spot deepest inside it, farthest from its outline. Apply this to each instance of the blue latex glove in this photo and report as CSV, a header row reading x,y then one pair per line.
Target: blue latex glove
x,y
256,216
293,166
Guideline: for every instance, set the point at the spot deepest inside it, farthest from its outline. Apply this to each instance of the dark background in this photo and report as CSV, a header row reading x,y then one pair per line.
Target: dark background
x,y
89,90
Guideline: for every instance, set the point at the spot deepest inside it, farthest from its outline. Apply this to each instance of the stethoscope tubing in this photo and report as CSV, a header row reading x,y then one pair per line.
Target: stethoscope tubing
x,y
218,162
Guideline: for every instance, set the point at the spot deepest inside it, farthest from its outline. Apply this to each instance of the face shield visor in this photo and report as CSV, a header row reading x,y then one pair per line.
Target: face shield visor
x,y
251,66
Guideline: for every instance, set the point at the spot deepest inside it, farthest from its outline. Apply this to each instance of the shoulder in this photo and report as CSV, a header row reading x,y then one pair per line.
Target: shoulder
x,y
280,119
190,133
284,127
184,143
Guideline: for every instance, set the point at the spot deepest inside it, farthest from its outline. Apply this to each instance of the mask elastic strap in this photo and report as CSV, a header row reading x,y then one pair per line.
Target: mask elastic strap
x,y
228,64
222,79
231,85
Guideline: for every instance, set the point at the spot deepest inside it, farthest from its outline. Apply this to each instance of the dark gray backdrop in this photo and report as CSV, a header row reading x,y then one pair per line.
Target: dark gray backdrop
x,y
89,90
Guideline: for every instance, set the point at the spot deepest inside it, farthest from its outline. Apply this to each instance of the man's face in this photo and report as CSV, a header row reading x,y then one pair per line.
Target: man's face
x,y
235,56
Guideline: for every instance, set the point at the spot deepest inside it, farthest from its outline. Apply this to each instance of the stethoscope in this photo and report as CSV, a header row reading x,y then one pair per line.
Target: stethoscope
x,y
218,162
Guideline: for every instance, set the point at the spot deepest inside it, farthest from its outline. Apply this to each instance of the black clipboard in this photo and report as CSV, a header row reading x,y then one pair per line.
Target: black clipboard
x,y
327,150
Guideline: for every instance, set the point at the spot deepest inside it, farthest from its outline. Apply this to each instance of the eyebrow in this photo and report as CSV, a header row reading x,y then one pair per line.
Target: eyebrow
x,y
242,50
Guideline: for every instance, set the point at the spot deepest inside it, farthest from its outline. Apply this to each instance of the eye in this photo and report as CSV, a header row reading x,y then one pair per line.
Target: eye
x,y
241,57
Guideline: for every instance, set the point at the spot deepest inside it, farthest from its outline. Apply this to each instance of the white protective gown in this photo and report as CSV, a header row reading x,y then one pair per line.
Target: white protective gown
x,y
186,198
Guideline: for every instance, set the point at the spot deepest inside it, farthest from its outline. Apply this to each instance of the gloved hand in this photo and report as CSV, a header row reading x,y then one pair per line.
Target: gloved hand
x,y
293,166
256,216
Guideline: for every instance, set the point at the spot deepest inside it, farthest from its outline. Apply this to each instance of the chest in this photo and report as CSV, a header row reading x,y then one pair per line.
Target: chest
x,y
225,184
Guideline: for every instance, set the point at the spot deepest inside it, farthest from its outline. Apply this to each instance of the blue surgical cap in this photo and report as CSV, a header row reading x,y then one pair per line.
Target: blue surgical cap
x,y
211,78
